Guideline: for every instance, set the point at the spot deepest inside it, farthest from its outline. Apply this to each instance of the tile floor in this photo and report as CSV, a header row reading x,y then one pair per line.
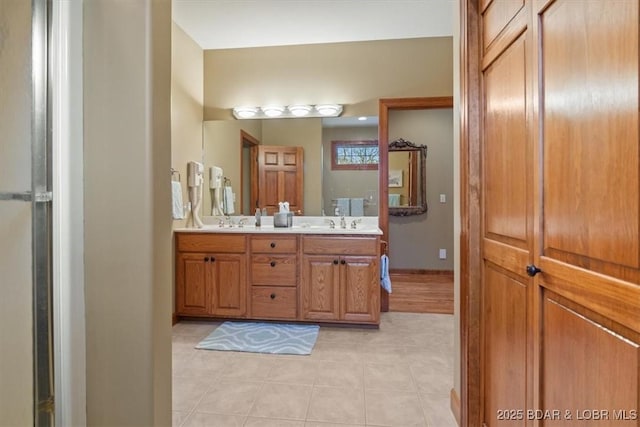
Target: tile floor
x,y
398,375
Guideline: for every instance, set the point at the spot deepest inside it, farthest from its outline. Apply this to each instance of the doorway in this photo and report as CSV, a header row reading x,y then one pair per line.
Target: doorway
x,y
248,199
423,279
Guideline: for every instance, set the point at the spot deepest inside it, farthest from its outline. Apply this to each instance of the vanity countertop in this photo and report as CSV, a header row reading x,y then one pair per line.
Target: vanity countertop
x,y
301,225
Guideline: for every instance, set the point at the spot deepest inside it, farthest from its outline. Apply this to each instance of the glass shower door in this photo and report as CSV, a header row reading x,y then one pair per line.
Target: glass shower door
x,y
25,217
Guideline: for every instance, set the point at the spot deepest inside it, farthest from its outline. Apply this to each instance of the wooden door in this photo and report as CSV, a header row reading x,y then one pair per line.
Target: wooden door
x,y
560,296
191,284
360,288
280,177
228,284
320,287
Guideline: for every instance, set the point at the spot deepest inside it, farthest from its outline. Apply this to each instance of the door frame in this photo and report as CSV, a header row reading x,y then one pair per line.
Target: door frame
x,y
248,141
470,213
384,106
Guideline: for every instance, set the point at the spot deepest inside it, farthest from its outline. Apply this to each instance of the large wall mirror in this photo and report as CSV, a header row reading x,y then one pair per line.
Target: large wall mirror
x,y
407,178
227,144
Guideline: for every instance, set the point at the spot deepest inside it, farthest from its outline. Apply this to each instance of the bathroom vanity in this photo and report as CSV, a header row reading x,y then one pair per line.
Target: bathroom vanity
x,y
301,273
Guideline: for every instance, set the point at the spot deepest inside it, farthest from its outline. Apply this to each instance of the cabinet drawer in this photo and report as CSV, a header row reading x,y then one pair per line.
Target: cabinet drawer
x,y
273,302
276,270
340,245
211,242
274,244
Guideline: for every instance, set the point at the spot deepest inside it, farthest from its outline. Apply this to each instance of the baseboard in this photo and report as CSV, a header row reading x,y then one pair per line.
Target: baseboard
x,y
419,271
455,405
174,319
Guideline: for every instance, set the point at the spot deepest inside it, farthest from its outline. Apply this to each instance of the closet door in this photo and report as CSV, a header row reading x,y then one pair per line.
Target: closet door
x,y
507,235
560,292
589,253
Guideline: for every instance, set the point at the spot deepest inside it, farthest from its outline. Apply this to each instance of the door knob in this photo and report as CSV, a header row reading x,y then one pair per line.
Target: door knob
x,y
532,270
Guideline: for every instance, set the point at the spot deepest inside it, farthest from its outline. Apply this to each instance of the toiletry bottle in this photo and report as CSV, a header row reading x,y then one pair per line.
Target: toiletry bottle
x,y
258,219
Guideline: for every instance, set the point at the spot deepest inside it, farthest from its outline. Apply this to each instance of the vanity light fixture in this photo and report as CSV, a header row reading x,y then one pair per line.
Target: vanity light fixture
x,y
291,111
245,112
299,110
329,110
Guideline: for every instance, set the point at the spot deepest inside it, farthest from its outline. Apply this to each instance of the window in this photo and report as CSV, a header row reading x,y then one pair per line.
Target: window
x,y
354,155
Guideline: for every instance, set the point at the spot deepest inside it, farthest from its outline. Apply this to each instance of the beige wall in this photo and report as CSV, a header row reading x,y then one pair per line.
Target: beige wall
x,y
187,82
356,74
16,362
414,240
127,66
346,183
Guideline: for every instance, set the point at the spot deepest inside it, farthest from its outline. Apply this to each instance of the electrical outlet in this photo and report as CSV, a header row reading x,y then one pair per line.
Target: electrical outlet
x,y
443,254
443,198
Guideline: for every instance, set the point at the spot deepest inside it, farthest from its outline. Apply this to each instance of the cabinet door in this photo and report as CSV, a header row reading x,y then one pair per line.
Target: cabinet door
x,y
360,289
191,284
320,287
228,284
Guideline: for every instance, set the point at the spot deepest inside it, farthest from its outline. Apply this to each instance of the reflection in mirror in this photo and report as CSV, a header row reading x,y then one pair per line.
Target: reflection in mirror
x,y
407,178
226,145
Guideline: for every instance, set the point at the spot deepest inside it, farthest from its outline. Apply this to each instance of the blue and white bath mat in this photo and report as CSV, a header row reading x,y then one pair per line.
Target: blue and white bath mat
x,y
254,337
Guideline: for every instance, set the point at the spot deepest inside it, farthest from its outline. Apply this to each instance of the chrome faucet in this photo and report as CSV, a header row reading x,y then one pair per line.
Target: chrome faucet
x,y
241,222
332,224
343,222
354,222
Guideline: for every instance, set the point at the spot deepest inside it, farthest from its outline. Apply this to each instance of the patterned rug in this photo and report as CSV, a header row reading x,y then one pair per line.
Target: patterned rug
x,y
254,337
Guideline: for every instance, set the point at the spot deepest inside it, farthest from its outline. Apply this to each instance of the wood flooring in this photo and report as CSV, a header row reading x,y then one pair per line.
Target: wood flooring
x,y
421,291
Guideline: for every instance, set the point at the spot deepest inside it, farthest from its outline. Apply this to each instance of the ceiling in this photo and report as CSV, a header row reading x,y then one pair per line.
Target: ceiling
x,y
226,24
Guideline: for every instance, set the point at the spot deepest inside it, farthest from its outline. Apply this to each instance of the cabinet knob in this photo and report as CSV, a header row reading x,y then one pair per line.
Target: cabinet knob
x,y
343,262
212,259
206,259
272,263
532,270
335,261
273,244
273,296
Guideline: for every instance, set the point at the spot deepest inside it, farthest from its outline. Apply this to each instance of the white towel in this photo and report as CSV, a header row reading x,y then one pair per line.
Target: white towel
x,y
176,196
385,280
342,203
357,206
227,200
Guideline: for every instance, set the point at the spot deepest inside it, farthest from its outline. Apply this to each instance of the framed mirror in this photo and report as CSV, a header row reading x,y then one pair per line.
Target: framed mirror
x,y
407,178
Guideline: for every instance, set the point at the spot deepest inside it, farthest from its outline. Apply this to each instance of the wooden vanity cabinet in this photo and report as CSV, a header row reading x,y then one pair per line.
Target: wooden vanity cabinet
x,y
273,277
340,279
211,275
321,278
